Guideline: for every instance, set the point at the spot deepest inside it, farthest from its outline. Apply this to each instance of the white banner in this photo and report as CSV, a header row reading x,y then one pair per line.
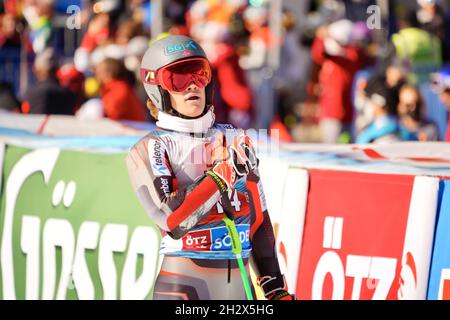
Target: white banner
x,y
292,218
418,246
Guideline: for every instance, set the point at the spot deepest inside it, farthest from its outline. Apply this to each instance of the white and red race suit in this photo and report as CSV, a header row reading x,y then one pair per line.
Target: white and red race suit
x,y
167,170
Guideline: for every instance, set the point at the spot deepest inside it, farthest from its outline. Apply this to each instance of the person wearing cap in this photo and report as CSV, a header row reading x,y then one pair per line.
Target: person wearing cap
x,y
191,174
384,127
47,96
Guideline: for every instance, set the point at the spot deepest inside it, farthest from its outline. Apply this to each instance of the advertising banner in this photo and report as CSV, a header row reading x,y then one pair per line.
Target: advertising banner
x,y
367,236
439,287
72,228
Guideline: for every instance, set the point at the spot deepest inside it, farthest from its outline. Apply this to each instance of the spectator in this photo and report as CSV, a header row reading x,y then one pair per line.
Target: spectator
x,y
289,77
9,31
421,48
232,95
127,30
47,96
119,99
97,34
39,16
412,122
135,51
432,19
384,127
339,62
69,77
256,63
8,101
441,85
393,78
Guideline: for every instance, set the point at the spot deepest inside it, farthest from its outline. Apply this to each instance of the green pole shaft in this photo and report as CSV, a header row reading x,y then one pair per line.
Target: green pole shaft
x,y
236,248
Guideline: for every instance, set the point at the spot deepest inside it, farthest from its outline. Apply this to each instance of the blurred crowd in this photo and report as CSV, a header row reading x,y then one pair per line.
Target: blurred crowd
x,y
315,70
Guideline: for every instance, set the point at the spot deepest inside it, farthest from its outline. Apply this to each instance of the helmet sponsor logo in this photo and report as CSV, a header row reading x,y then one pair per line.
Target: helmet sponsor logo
x,y
179,47
157,162
148,76
186,53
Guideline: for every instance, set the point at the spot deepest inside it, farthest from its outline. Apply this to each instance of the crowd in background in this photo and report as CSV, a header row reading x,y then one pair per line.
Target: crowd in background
x,y
337,73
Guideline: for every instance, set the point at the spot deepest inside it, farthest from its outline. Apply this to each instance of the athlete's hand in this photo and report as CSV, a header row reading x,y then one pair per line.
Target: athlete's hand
x,y
222,171
274,287
281,295
233,162
243,154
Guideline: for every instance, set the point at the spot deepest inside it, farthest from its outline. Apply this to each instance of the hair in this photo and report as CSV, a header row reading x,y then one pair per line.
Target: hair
x,y
408,19
115,67
128,29
377,86
153,109
420,110
46,62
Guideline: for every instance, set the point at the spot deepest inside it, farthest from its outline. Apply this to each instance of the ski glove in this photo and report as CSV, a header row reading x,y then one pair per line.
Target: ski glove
x,y
233,162
243,154
222,172
274,287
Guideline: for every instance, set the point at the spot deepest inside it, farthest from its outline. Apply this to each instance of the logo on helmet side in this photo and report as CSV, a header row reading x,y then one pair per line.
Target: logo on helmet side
x,y
179,47
148,76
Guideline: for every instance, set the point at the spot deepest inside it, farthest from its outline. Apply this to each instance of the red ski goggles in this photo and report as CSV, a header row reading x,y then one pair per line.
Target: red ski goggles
x,y
179,75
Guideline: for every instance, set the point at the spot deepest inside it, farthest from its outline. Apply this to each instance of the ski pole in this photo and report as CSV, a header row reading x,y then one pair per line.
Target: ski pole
x,y
237,250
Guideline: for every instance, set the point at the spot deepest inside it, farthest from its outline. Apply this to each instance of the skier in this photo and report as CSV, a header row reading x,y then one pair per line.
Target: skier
x,y
189,173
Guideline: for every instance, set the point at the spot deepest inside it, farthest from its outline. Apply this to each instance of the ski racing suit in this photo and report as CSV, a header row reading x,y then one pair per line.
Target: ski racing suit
x,y
167,170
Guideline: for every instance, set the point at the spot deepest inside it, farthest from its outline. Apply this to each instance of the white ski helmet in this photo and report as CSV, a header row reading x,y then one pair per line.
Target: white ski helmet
x,y
162,53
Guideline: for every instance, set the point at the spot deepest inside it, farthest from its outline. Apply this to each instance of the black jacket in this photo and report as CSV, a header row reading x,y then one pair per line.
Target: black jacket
x,y
49,97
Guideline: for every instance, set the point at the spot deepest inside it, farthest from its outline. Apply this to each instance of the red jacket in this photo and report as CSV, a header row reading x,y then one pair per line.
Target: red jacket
x,y
335,79
120,102
231,81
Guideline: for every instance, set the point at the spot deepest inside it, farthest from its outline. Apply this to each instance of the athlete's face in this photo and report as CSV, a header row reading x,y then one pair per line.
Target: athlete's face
x,y
190,102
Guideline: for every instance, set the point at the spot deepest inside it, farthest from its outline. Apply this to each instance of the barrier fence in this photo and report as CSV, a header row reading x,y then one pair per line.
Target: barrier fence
x,y
351,222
